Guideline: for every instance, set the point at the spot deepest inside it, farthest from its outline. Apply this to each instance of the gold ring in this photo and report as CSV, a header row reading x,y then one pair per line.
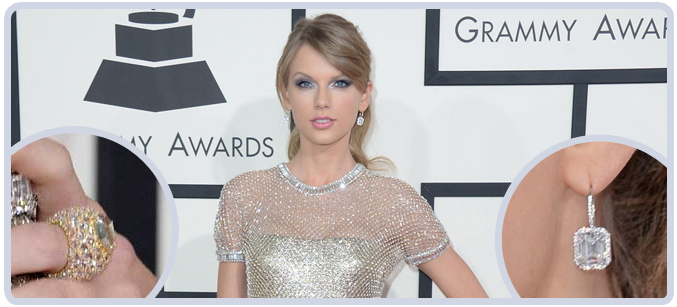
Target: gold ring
x,y
91,240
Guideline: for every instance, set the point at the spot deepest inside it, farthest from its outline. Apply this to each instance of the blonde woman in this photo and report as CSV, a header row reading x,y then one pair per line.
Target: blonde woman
x,y
324,224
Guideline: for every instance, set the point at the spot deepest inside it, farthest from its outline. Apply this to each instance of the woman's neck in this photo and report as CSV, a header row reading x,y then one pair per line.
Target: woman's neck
x,y
563,278
538,230
317,165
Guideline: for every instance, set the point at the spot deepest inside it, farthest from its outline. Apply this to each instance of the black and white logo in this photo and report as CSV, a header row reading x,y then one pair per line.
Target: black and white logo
x,y
154,88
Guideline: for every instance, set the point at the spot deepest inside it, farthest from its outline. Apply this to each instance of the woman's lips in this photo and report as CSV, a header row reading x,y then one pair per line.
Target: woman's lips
x,y
322,122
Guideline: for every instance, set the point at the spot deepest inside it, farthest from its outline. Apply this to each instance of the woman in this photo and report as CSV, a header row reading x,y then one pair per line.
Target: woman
x,y
549,206
323,224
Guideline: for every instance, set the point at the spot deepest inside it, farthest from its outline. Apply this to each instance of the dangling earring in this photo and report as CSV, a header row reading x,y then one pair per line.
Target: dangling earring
x,y
286,117
360,119
592,245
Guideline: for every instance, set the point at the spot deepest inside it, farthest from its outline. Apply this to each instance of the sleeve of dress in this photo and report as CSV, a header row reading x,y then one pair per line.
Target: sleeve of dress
x,y
422,235
228,228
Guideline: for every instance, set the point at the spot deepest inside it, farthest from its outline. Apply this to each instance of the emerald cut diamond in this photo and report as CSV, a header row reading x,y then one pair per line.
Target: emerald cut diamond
x,y
105,232
592,248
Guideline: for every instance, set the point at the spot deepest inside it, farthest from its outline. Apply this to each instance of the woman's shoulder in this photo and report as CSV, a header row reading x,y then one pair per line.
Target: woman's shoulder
x,y
393,186
250,180
396,196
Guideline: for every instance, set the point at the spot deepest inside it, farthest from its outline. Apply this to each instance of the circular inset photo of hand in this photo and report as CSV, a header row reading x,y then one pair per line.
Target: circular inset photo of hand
x,y
85,219
589,220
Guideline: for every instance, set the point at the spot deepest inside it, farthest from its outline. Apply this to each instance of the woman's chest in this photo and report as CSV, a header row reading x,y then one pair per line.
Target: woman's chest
x,y
343,215
318,247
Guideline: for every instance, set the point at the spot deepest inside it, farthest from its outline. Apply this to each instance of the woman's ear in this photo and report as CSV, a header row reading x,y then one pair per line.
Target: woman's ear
x,y
591,167
286,104
366,97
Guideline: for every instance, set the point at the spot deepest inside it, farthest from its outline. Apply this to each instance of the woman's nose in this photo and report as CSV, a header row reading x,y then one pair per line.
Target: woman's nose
x,y
322,100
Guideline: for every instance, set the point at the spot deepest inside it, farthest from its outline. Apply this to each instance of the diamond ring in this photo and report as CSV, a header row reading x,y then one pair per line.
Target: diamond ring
x,y
91,240
24,202
24,205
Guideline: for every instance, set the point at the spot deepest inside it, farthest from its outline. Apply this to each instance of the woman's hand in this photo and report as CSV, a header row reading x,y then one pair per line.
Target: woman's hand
x,y
42,247
453,276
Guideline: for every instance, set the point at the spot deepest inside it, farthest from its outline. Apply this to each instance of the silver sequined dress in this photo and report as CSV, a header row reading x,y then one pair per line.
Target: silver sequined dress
x,y
342,239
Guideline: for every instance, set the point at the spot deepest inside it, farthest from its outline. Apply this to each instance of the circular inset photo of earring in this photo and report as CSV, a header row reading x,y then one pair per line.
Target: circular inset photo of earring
x,y
587,220
90,217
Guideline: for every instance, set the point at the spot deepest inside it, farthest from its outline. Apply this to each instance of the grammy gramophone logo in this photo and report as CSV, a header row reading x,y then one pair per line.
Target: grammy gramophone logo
x,y
154,88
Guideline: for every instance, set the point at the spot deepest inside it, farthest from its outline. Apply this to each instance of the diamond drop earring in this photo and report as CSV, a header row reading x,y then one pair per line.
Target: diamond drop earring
x,y
592,245
286,117
360,119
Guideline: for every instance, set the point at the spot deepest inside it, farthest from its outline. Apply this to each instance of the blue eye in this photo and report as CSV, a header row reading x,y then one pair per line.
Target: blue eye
x,y
303,84
342,83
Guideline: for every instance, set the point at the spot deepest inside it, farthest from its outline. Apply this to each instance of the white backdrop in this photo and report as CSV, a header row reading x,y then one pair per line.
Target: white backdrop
x,y
446,134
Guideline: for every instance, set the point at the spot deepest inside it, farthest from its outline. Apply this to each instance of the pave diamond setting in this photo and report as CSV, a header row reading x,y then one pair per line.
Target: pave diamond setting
x,y
592,245
91,240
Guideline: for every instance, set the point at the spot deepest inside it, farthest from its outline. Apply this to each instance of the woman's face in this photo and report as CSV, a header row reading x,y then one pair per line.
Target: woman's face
x,y
324,102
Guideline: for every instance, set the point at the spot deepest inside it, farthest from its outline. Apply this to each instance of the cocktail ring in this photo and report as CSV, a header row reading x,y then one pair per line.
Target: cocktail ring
x,y
24,204
23,201
91,240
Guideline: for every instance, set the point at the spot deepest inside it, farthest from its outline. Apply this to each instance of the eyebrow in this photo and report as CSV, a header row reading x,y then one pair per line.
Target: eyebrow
x,y
341,76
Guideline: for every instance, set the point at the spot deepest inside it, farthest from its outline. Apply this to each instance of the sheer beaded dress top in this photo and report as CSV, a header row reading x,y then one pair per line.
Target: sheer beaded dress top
x,y
342,239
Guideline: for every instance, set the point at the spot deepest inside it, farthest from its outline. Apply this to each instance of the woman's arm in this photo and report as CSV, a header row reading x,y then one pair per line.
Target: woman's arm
x,y
453,276
232,280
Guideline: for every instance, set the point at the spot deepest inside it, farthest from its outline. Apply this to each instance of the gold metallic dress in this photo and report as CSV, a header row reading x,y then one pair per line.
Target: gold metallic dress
x,y
342,239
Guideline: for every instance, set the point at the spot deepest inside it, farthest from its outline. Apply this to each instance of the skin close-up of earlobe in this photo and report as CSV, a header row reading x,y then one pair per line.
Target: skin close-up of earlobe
x,y
590,167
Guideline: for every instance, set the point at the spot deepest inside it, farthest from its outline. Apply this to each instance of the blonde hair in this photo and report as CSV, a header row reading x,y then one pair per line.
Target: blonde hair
x,y
340,43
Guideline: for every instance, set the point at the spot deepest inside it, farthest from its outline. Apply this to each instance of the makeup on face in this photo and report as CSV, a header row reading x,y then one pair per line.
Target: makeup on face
x,y
303,81
324,101
322,122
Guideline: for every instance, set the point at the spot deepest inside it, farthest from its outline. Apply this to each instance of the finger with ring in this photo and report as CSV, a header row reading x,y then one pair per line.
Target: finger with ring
x,y
91,240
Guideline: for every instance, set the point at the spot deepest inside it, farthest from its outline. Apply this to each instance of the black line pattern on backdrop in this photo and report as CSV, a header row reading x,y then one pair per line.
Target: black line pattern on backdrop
x,y
15,126
200,191
445,189
579,110
579,78
296,15
184,294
